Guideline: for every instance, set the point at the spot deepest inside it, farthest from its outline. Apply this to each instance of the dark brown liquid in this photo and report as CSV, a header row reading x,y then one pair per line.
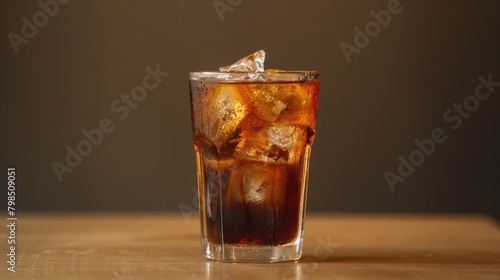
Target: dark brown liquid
x,y
252,162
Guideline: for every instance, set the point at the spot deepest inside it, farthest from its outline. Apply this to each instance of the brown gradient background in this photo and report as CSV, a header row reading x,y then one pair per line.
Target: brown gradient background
x,y
370,111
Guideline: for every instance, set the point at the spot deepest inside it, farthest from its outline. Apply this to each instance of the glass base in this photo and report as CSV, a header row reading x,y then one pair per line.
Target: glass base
x,y
252,253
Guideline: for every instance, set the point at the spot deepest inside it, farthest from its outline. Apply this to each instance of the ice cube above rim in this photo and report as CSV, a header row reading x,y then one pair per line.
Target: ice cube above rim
x,y
251,69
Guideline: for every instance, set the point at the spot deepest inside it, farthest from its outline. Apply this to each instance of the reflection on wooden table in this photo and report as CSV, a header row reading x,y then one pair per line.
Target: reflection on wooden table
x,y
140,246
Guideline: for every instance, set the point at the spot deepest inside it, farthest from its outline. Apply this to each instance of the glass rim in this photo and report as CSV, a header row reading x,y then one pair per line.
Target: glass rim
x,y
277,76
238,72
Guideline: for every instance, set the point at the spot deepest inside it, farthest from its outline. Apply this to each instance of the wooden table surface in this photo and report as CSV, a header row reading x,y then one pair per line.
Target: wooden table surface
x,y
165,246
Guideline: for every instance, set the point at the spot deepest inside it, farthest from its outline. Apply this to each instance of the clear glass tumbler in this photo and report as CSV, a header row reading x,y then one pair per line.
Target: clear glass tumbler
x,y
253,138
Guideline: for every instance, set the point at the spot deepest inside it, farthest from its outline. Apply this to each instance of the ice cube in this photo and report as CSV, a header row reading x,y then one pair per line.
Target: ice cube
x,y
255,146
271,100
289,138
251,68
225,110
255,187
280,143
299,104
296,96
255,183
266,102
251,63
284,136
